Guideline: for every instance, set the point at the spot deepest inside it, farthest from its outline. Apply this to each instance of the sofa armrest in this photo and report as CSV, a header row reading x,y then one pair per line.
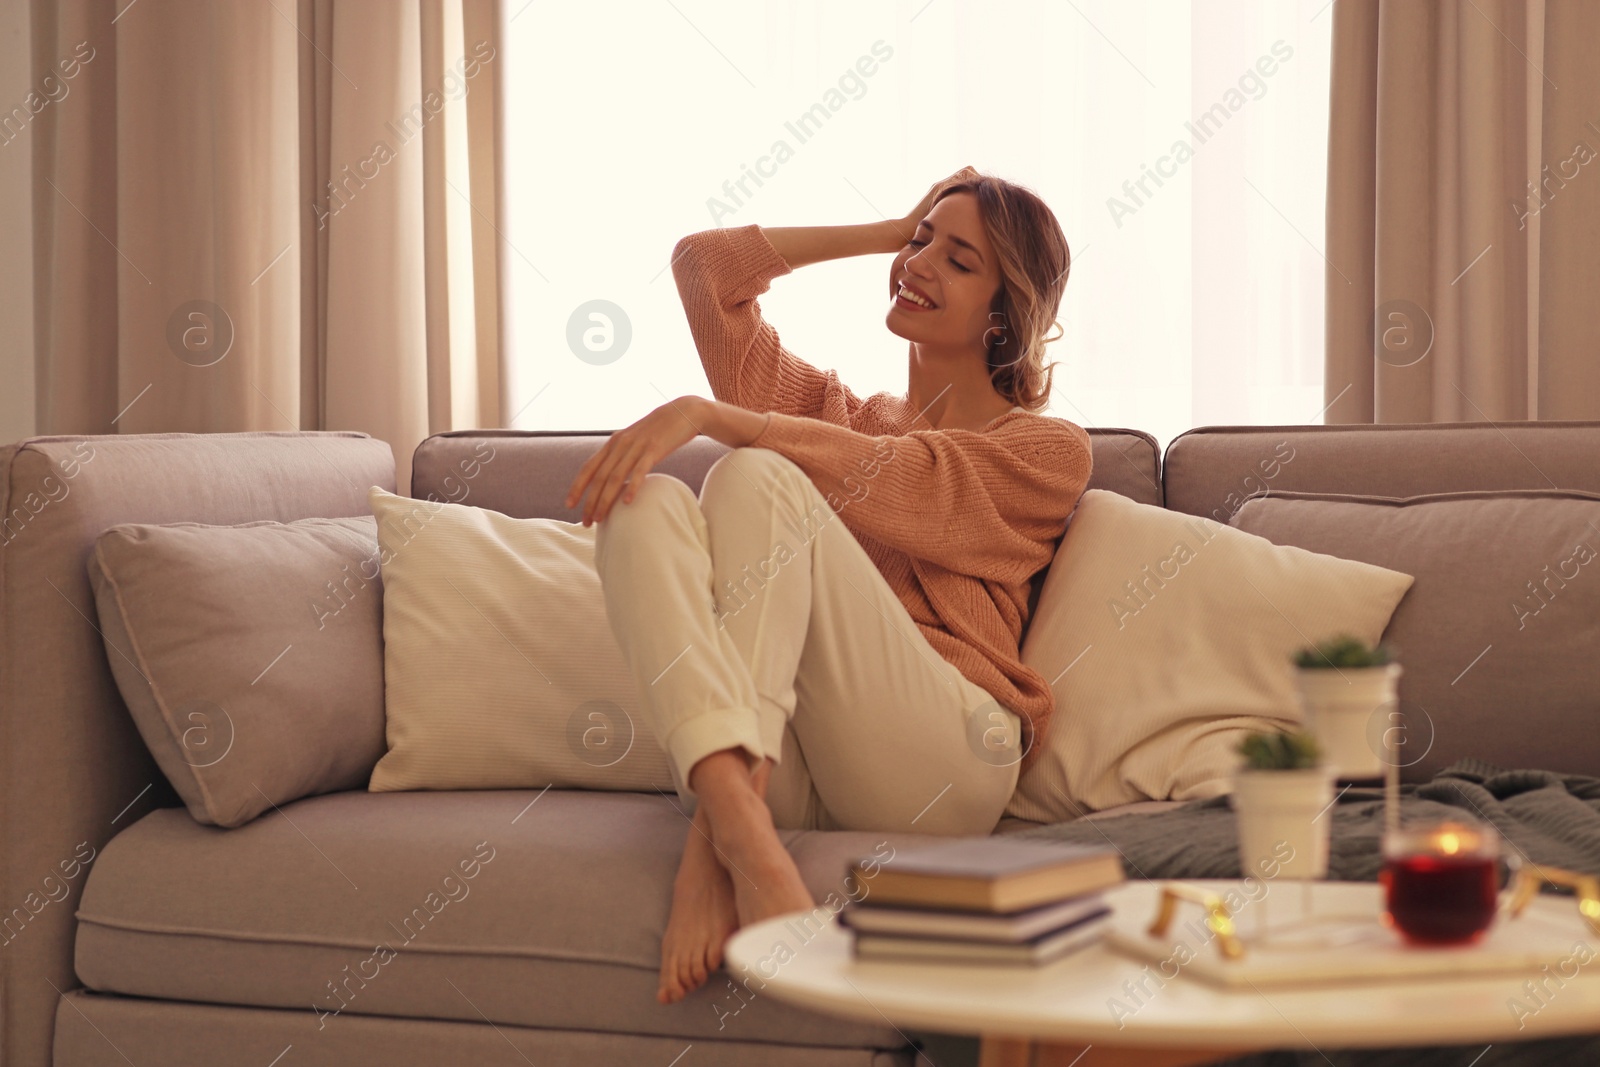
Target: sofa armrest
x,y
73,769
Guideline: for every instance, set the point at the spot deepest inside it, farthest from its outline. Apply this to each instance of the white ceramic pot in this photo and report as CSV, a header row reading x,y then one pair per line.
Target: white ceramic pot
x,y
1347,710
1283,827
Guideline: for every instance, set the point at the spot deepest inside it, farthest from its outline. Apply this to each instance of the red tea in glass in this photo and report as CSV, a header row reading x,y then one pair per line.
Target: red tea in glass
x,y
1441,883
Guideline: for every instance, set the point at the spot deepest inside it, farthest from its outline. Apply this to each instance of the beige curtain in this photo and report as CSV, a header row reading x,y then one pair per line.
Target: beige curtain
x,y
1463,236
270,215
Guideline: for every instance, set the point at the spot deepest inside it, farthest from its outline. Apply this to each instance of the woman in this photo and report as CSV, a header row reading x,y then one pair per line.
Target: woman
x,y
867,561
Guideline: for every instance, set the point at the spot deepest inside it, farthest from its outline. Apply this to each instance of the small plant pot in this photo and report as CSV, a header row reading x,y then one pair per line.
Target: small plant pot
x,y
1346,709
1282,822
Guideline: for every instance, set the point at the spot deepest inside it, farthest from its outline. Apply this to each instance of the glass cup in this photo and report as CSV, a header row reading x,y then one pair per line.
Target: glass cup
x,y
1441,882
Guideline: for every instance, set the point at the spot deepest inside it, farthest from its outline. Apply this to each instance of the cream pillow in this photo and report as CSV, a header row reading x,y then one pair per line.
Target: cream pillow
x,y
500,669
1165,637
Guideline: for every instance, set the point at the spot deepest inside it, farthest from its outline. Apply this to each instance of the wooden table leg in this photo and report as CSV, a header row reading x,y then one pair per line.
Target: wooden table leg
x,y
1005,1052
1021,1052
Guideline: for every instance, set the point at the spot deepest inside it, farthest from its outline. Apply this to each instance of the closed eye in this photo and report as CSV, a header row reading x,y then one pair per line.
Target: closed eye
x,y
953,261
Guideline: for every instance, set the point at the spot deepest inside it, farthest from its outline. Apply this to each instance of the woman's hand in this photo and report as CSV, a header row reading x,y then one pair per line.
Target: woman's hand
x,y
920,212
627,455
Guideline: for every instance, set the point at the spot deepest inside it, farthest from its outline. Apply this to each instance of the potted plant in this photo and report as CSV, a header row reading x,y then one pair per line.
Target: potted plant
x,y
1279,796
1347,692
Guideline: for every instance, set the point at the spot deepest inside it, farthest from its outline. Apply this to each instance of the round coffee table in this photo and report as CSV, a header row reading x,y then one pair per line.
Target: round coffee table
x,y
1121,1007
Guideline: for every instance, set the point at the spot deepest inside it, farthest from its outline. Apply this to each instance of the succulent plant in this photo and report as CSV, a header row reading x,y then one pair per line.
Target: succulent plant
x,y
1344,651
1277,750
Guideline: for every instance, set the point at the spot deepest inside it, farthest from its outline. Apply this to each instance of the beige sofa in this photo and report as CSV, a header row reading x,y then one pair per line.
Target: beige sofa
x,y
132,934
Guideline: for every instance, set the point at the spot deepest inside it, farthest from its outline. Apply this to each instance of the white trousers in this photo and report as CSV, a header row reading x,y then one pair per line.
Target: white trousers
x,y
753,618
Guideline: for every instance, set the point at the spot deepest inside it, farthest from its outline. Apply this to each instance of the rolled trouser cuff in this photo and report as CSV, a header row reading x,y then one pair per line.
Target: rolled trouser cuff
x,y
712,731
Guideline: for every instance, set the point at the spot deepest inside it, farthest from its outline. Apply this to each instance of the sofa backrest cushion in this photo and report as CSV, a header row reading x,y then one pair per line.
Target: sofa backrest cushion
x,y
526,474
1497,637
1212,470
250,656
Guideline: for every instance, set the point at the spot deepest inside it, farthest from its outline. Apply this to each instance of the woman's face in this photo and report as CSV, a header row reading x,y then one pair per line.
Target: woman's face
x,y
950,264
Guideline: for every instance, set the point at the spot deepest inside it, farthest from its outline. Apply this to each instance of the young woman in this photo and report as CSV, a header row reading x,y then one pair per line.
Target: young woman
x,y
828,636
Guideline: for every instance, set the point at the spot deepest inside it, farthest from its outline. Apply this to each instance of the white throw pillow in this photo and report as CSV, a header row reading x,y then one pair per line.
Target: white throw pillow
x,y
500,668
1166,637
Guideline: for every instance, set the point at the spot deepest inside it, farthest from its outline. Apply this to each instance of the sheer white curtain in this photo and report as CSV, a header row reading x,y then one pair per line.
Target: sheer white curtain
x,y
1182,146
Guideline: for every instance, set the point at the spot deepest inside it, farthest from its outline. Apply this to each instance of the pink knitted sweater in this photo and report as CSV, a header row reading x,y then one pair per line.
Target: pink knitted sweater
x,y
957,521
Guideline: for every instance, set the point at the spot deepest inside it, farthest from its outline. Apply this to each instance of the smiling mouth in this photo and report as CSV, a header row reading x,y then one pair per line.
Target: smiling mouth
x,y
909,299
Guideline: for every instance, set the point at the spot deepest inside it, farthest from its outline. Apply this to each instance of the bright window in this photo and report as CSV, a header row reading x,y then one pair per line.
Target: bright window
x,y
1182,146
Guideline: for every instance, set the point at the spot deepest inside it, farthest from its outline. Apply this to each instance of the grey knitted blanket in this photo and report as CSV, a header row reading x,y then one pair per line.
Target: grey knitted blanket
x,y
1548,818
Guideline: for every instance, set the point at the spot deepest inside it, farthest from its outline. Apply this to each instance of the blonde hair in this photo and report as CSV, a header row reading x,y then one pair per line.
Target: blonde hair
x,y
1034,260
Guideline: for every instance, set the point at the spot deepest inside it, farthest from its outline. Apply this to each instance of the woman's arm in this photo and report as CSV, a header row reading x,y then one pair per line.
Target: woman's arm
x,y
733,426
720,275
619,467
801,246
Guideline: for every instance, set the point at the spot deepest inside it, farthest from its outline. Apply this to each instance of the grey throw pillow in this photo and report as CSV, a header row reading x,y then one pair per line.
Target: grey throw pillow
x,y
251,656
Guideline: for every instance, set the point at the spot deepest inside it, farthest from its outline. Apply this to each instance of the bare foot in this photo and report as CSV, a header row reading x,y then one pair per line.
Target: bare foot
x,y
766,881
702,917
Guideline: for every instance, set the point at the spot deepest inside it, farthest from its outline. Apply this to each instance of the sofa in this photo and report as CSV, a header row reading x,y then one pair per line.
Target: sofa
x,y
130,933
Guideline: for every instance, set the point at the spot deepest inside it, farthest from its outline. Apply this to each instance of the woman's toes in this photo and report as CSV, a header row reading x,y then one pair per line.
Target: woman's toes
x,y
687,982
682,975
669,982
674,977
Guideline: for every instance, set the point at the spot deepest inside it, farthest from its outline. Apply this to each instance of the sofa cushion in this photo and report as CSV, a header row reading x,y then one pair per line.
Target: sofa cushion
x,y
534,908
1166,637
500,667
1498,635
250,656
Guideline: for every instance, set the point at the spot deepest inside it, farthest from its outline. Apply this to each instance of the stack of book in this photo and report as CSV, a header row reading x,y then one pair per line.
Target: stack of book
x,y
982,900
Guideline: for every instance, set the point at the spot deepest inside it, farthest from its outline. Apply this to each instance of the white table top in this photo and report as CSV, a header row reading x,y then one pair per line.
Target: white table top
x,y
1073,998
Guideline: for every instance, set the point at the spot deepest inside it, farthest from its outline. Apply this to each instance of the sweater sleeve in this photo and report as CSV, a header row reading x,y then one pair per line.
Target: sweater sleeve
x,y
991,505
719,274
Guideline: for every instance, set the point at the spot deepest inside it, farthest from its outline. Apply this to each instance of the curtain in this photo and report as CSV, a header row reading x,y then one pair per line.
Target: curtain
x,y
1463,214
272,215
